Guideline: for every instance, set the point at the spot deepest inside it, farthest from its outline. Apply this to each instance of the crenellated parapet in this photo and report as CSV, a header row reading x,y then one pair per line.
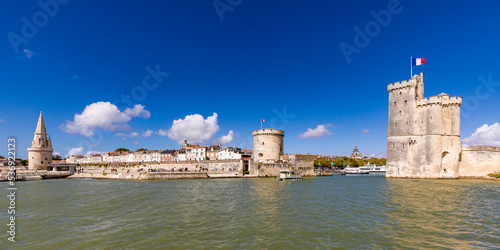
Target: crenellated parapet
x,y
403,84
268,131
441,100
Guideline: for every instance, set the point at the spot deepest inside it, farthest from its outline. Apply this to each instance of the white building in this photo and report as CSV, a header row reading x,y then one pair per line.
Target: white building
x,y
230,153
196,153
181,155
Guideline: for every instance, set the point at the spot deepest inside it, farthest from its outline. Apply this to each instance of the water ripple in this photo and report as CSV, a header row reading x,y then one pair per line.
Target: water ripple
x,y
317,213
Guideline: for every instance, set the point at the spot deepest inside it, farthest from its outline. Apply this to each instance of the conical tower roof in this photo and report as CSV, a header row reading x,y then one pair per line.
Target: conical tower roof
x,y
40,127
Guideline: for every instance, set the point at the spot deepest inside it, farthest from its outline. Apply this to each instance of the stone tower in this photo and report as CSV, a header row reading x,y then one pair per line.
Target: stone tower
x,y
40,153
267,144
424,133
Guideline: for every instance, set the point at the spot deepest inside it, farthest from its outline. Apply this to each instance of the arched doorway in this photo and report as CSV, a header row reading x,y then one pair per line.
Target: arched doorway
x,y
446,162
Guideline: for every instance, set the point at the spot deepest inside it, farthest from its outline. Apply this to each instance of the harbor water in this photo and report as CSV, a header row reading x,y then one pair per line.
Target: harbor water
x,y
317,213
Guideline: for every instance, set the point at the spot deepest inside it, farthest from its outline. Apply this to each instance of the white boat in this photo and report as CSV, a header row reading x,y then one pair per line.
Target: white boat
x,y
352,170
287,175
373,169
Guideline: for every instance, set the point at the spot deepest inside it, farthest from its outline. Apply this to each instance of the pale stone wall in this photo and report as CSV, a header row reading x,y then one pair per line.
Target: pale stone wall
x,y
192,166
479,161
267,144
300,162
303,164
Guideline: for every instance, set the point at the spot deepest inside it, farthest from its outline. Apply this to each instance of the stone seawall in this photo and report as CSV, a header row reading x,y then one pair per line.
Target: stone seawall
x,y
139,176
479,161
219,165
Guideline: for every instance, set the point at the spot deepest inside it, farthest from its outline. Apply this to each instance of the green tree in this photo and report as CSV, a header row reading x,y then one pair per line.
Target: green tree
x,y
25,162
122,150
142,149
1,157
56,157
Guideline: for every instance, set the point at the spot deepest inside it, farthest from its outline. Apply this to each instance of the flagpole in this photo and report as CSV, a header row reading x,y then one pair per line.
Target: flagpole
x,y
260,123
411,67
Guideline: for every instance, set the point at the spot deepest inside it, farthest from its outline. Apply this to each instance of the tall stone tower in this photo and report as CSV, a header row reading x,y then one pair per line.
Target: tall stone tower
x,y
424,133
40,153
267,144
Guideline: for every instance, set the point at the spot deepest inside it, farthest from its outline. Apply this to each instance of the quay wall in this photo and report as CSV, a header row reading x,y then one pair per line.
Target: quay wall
x,y
479,161
212,165
140,176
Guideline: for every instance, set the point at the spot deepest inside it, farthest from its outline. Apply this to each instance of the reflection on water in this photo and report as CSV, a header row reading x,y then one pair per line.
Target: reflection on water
x,y
327,212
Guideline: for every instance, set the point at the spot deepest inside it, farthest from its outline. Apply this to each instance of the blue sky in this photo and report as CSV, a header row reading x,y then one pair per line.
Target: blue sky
x,y
277,60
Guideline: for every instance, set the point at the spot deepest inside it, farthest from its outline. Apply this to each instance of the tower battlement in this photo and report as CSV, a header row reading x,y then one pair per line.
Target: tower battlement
x,y
403,84
414,81
442,100
268,131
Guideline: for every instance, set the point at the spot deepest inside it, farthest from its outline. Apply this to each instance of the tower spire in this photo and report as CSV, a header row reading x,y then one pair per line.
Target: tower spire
x,y
40,127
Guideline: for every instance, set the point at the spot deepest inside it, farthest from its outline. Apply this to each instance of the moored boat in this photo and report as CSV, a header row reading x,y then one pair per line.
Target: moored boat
x,y
374,169
353,170
287,175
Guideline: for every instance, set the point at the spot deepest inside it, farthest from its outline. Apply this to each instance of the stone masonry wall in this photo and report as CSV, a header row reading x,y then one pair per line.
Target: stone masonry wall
x,y
479,161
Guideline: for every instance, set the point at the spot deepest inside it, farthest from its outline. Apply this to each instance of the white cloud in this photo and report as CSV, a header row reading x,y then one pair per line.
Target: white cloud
x,y
162,132
75,151
366,131
134,134
225,139
93,152
147,133
56,153
194,128
138,111
485,135
103,115
320,131
135,143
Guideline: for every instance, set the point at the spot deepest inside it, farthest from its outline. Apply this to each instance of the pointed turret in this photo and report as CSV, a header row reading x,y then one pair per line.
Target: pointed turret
x,y
40,127
40,153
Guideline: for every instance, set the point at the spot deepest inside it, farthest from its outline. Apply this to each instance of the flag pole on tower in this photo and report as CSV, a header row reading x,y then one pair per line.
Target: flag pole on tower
x,y
411,67
416,62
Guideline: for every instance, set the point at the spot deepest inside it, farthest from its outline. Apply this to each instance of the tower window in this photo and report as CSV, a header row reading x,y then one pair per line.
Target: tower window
x,y
403,146
42,162
400,112
400,93
406,102
394,103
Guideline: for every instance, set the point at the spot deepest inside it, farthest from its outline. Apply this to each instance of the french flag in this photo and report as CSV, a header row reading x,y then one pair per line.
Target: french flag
x,y
417,61
264,120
